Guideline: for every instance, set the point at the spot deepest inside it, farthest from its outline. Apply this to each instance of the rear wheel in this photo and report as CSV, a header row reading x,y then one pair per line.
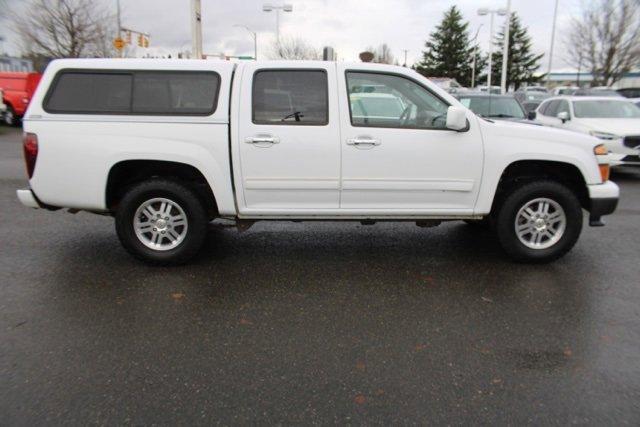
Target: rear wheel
x,y
9,117
161,222
539,222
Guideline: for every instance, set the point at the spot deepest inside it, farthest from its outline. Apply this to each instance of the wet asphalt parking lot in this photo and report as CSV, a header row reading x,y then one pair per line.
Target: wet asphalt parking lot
x,y
314,323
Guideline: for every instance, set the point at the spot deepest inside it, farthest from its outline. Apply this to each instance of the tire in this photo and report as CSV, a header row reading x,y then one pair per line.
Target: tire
x,y
541,226
9,117
136,230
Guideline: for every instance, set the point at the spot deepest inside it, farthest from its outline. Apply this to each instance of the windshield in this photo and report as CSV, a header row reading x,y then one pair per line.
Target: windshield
x,y
494,107
604,109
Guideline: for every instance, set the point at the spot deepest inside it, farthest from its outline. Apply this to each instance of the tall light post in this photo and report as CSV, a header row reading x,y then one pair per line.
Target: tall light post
x,y
505,49
285,8
473,63
255,39
482,12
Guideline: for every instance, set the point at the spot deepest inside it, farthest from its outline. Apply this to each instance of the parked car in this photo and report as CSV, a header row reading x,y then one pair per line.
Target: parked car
x,y
380,106
165,146
616,122
3,106
18,89
565,90
449,84
500,107
599,91
530,107
630,92
531,94
497,90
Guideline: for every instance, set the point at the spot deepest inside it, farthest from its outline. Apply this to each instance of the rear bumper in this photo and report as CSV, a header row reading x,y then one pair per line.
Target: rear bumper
x,y
28,199
603,200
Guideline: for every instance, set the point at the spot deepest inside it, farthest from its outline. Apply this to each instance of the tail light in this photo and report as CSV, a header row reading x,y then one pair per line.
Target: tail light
x,y
30,147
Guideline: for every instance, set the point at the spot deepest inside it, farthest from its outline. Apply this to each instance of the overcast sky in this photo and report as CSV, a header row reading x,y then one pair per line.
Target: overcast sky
x,y
347,25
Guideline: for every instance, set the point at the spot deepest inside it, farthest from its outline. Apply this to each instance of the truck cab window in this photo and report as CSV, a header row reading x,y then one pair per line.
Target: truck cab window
x,y
385,100
290,97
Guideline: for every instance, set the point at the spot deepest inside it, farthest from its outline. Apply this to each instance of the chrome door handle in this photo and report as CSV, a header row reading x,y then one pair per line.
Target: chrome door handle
x,y
264,140
363,142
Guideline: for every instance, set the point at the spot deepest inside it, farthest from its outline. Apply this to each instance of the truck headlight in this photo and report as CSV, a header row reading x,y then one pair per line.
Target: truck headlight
x,y
604,135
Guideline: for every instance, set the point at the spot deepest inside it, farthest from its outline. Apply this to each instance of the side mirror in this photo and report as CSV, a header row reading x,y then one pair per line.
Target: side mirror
x,y
456,119
563,115
531,115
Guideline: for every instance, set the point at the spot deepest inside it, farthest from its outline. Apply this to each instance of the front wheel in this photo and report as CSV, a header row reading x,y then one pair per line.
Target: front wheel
x,y
539,222
161,222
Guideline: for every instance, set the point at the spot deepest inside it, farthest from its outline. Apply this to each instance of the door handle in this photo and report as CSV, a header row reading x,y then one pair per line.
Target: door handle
x,y
363,142
262,139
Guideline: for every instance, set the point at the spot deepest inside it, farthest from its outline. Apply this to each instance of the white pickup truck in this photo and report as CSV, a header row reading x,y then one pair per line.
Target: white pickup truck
x,y
165,146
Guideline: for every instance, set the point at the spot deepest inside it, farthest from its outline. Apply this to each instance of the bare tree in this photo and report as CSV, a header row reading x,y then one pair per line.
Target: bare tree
x,y
64,28
382,54
293,48
606,39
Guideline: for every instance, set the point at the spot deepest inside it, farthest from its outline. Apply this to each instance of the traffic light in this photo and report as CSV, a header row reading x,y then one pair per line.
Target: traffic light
x,y
141,40
127,37
146,42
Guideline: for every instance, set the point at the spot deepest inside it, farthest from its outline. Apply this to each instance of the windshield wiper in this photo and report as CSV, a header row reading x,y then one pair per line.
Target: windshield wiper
x,y
297,114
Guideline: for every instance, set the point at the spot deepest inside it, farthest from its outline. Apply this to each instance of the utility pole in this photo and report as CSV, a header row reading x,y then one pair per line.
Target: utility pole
x,y
505,50
196,29
553,35
405,56
119,26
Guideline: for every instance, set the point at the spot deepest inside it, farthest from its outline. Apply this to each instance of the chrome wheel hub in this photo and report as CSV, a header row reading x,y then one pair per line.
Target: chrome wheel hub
x,y
160,224
540,223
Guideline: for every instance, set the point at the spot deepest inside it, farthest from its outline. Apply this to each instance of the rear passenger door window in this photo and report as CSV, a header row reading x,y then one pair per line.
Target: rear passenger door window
x,y
290,97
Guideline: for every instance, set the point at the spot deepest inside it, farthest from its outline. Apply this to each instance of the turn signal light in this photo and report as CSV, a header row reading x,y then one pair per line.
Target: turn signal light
x,y
600,150
604,172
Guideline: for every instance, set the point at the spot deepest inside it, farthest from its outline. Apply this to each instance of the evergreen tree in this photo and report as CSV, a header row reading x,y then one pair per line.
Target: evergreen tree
x,y
448,51
521,63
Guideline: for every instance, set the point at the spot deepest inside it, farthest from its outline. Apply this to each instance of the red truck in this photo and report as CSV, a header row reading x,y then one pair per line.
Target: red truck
x,y
18,89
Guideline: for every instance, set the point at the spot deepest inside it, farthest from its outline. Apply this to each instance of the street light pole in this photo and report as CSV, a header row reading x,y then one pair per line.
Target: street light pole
x,y
482,12
505,49
255,39
285,8
473,63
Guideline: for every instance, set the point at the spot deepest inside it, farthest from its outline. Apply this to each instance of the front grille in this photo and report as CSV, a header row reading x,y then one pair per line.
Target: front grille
x,y
632,141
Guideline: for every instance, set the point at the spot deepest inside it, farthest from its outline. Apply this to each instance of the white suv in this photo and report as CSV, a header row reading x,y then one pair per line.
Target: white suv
x,y
615,121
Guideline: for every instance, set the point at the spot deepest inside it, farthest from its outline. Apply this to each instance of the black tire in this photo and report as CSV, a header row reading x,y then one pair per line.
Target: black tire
x,y
181,195
506,221
9,117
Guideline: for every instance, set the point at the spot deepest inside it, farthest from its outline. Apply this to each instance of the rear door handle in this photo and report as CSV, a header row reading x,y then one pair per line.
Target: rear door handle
x,y
262,140
363,142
